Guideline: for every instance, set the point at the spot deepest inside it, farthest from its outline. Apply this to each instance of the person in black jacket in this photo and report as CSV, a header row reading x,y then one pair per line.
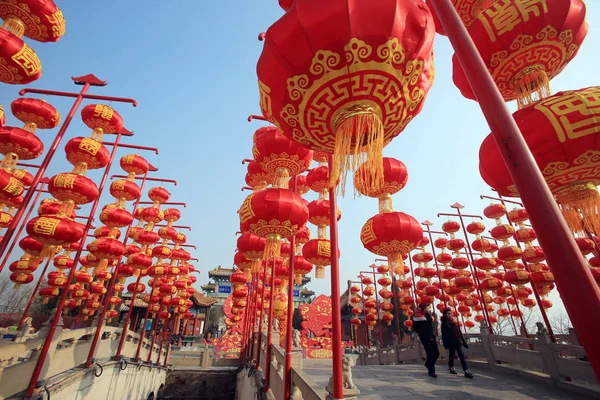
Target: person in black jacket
x,y
423,326
454,341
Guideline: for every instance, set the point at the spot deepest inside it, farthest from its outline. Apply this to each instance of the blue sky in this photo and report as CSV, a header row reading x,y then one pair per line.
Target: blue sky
x,y
191,66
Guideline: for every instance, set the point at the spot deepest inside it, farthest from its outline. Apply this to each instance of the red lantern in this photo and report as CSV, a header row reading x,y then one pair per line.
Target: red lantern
x,y
318,252
273,214
395,177
134,164
296,70
301,267
21,64
257,178
391,235
525,44
279,156
567,160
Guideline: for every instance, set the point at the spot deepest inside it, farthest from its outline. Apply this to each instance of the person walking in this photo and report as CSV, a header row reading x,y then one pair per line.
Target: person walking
x,y
454,341
423,326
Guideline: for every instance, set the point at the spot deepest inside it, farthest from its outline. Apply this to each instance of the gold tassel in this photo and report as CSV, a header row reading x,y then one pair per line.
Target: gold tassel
x,y
359,138
320,272
273,247
385,204
14,26
256,266
282,178
580,205
298,279
396,263
531,85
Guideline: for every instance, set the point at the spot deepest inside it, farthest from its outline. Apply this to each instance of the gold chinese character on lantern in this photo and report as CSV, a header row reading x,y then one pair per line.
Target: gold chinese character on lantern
x,y
66,181
574,114
90,146
45,226
28,61
504,15
103,111
14,187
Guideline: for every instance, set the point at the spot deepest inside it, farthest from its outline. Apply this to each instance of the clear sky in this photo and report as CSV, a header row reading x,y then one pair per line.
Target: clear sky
x,y
191,65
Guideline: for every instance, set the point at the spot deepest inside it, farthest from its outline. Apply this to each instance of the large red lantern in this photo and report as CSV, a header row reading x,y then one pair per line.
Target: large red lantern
x,y
257,178
318,252
391,235
323,85
525,44
19,64
273,214
252,248
561,132
134,165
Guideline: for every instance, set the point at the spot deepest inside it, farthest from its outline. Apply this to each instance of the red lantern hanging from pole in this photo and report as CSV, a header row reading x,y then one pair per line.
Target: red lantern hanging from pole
x,y
349,59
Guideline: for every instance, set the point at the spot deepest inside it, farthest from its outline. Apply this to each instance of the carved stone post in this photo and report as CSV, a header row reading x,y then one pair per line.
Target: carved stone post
x,y
487,343
547,353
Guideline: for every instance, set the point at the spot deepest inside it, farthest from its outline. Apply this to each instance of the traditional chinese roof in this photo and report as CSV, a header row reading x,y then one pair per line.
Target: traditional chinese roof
x,y
209,287
306,292
345,300
138,303
202,300
221,272
306,279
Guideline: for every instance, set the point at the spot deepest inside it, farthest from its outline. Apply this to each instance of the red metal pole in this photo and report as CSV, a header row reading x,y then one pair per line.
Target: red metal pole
x,y
14,243
126,323
573,278
260,314
155,332
142,334
37,286
287,371
166,325
437,266
396,305
269,330
472,267
169,346
533,287
336,317
87,81
59,308
377,304
247,311
368,342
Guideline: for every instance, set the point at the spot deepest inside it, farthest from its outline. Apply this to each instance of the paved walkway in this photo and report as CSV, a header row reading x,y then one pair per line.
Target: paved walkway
x,y
411,381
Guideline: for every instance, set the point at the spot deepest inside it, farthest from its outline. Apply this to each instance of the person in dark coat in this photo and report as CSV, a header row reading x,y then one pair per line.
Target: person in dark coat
x,y
454,341
423,326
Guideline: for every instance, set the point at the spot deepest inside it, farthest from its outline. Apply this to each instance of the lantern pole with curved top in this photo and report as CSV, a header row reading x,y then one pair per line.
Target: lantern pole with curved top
x,y
173,181
395,293
514,296
168,203
40,190
260,315
336,317
573,279
367,338
527,268
376,303
113,279
86,81
48,340
187,228
287,371
460,216
428,224
363,314
243,344
267,371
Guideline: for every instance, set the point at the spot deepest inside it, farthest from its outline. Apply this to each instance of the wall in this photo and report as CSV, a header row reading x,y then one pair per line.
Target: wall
x,y
116,381
206,384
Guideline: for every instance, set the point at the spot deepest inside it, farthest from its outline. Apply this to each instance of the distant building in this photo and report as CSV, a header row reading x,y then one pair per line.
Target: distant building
x,y
219,286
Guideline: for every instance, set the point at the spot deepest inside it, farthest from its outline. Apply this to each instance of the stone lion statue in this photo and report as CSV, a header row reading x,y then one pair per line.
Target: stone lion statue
x,y
275,325
296,338
347,382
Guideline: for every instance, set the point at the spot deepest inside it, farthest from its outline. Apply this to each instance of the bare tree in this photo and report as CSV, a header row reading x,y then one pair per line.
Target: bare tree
x,y
13,300
560,322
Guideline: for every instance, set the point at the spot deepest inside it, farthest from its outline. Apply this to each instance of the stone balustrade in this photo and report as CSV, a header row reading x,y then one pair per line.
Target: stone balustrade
x,y
538,355
68,350
301,385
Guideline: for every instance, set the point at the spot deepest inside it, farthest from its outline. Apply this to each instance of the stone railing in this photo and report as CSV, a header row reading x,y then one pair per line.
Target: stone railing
x,y
201,357
68,350
557,361
301,385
